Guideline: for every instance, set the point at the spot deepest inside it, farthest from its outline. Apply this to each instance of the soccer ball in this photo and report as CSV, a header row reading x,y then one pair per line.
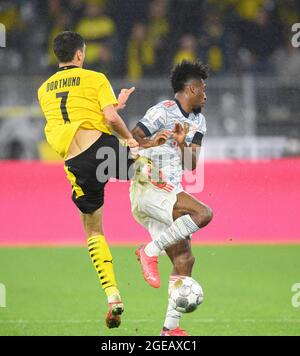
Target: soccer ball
x,y
186,295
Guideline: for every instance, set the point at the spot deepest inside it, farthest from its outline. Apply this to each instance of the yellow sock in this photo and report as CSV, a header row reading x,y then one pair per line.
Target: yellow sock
x,y
102,260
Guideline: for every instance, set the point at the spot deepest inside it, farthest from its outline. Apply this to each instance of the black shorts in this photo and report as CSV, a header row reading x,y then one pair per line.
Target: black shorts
x,y
90,171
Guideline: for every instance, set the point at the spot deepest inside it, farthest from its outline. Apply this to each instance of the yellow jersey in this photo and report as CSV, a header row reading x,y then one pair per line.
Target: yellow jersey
x,y
74,98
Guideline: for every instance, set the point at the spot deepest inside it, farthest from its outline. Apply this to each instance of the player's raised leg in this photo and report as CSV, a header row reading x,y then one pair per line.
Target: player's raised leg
x,y
190,215
103,263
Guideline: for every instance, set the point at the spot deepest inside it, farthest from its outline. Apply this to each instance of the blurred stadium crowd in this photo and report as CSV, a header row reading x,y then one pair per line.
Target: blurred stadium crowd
x,y
143,38
253,106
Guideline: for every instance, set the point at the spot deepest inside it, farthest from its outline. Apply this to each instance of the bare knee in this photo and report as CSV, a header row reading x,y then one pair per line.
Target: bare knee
x,y
208,215
202,216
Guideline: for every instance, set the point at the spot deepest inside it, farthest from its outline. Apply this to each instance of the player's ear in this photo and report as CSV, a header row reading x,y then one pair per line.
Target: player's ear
x,y
192,89
79,55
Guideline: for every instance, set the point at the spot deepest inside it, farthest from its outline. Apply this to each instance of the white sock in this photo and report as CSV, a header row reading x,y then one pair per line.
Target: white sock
x,y
181,228
172,317
114,298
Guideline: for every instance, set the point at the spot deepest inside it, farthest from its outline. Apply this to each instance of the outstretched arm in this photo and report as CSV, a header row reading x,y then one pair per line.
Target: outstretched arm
x,y
118,125
160,138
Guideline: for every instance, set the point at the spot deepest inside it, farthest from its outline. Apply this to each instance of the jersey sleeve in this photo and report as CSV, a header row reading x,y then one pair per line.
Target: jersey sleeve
x,y
106,94
153,121
201,131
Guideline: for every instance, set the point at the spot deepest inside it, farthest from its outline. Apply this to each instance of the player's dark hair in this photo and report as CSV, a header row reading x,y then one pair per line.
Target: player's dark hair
x,y
66,45
185,71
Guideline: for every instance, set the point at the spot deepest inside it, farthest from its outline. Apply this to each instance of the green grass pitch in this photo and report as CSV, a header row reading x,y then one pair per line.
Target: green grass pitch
x,y
55,291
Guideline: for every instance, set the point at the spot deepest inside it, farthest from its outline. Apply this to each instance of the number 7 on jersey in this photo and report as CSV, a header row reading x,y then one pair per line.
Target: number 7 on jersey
x,y
63,105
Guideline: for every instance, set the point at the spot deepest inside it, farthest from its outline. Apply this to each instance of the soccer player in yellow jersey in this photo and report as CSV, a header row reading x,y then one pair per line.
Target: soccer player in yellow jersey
x,y
81,113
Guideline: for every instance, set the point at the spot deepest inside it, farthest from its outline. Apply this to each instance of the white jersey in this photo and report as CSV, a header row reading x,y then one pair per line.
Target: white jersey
x,y
167,158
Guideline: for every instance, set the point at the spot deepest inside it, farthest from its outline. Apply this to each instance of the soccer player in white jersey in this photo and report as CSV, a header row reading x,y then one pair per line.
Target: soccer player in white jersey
x,y
170,131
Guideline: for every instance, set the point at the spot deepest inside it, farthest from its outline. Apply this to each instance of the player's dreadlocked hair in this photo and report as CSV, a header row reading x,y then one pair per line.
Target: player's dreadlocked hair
x,y
186,71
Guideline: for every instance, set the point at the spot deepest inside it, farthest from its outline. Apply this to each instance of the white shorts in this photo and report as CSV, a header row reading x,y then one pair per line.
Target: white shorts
x,y
152,207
